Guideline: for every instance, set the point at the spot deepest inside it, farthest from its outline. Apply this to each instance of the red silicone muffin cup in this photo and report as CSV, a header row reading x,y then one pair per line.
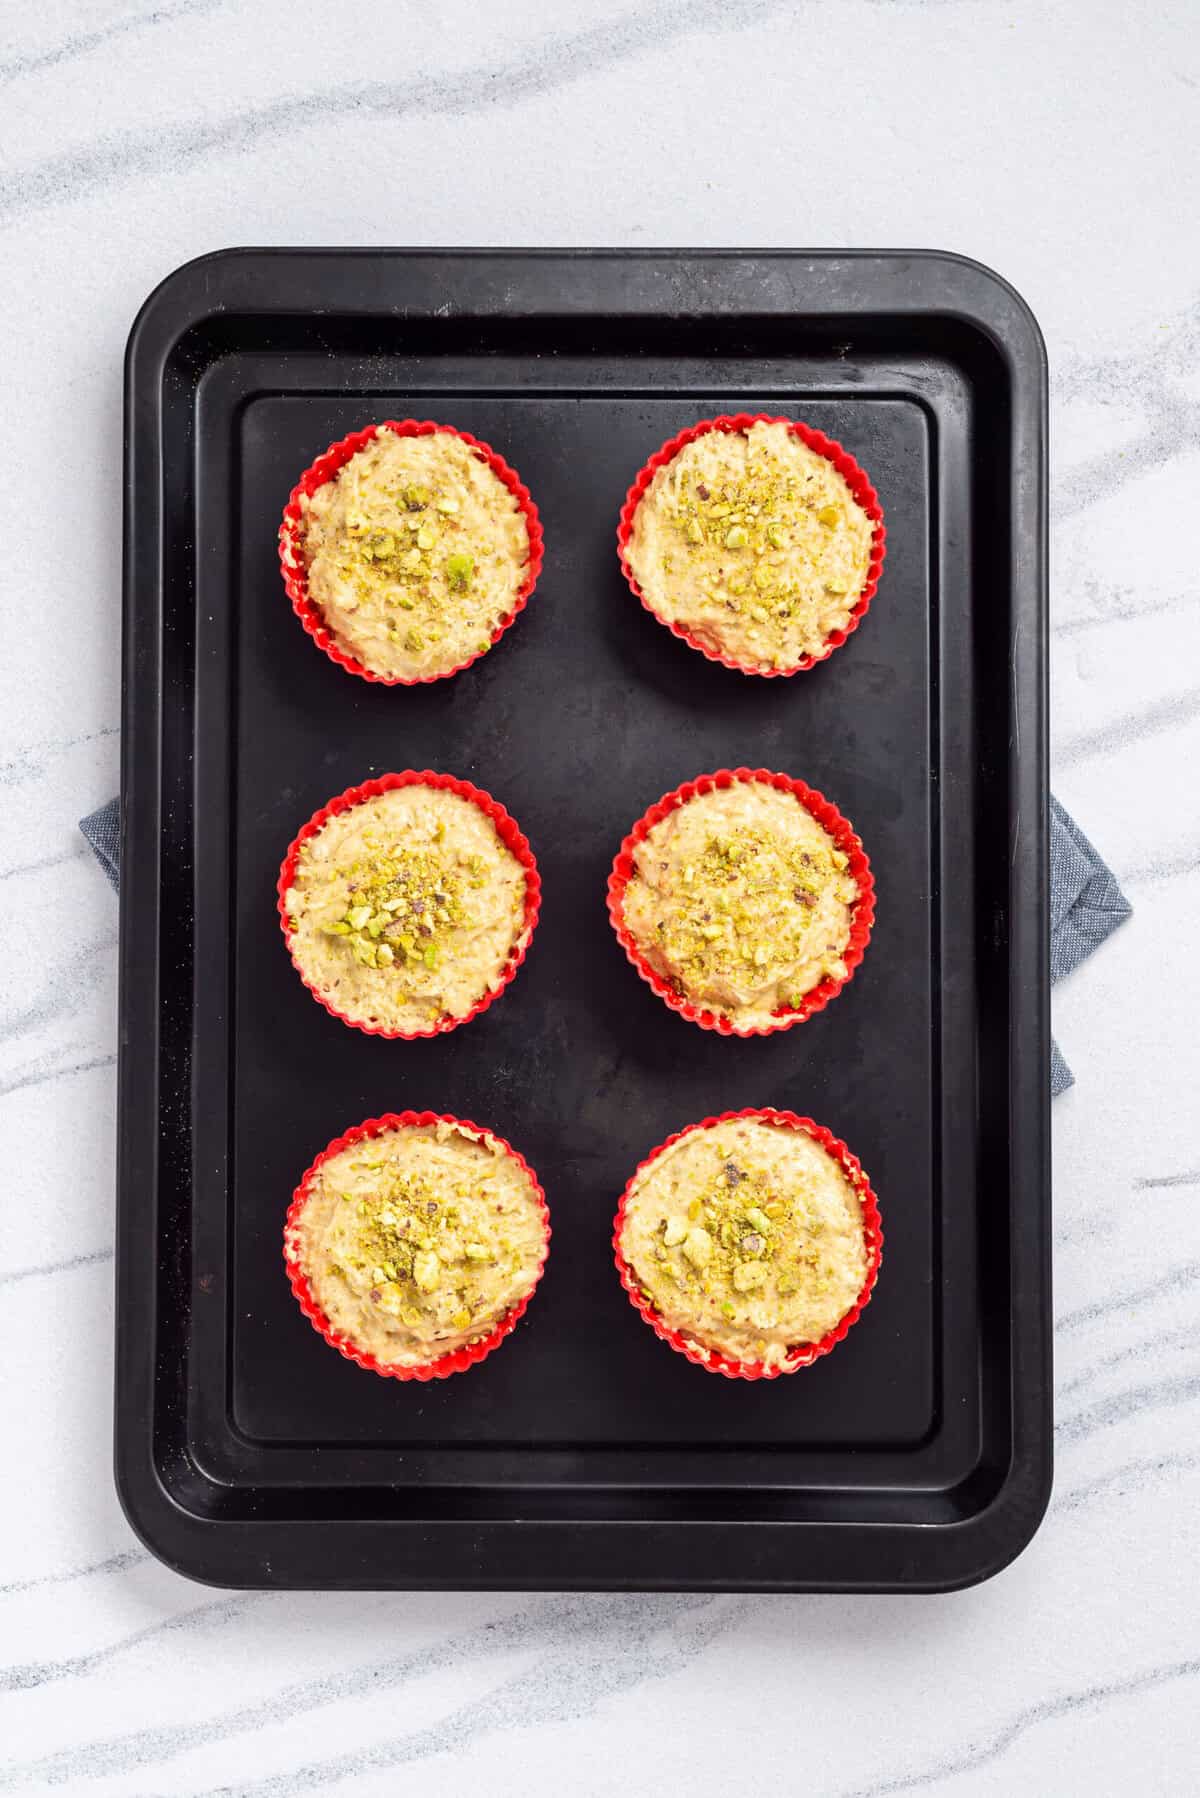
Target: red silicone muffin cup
x,y
805,1353
458,1360
854,477
862,914
510,834
295,574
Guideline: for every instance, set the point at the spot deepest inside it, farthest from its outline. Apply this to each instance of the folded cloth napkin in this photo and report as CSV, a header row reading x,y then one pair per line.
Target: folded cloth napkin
x,y
103,831
1086,904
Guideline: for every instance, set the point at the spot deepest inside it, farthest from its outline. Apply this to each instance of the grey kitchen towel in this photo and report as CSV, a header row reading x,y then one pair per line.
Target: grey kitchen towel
x,y
102,829
1086,904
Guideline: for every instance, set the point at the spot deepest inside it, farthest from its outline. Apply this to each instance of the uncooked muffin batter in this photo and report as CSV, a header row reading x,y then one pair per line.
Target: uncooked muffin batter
x,y
419,1240
742,901
748,1238
406,908
754,543
415,553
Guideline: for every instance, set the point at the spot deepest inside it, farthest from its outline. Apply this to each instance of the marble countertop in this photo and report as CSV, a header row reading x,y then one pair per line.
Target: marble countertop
x,y
1049,142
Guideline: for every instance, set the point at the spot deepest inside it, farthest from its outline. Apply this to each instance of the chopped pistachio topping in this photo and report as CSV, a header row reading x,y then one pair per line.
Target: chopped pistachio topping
x,y
734,1244
747,905
405,906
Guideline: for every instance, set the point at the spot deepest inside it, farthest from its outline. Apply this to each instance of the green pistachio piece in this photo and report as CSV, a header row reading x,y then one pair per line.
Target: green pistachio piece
x,y
427,1271
460,568
698,1246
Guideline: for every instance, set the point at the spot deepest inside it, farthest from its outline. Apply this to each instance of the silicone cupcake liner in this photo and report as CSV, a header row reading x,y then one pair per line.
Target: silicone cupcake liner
x,y
862,914
507,830
295,574
854,477
806,1353
458,1360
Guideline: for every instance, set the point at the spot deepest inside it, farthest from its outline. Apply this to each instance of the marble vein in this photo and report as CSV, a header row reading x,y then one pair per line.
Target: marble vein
x,y
46,861
82,43
1134,1474
32,763
1135,1400
1144,380
39,1073
567,1631
1151,721
1124,611
118,1563
993,1746
1167,868
22,1677
538,68
67,984
1174,1281
1090,1226
11,1276
556,1688
1146,1348
1153,1180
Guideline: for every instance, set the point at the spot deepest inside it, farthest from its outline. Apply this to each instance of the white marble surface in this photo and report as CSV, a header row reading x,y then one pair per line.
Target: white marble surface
x,y
1052,143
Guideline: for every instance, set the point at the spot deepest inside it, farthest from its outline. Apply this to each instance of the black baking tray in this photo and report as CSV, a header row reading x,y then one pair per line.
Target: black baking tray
x,y
584,1454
